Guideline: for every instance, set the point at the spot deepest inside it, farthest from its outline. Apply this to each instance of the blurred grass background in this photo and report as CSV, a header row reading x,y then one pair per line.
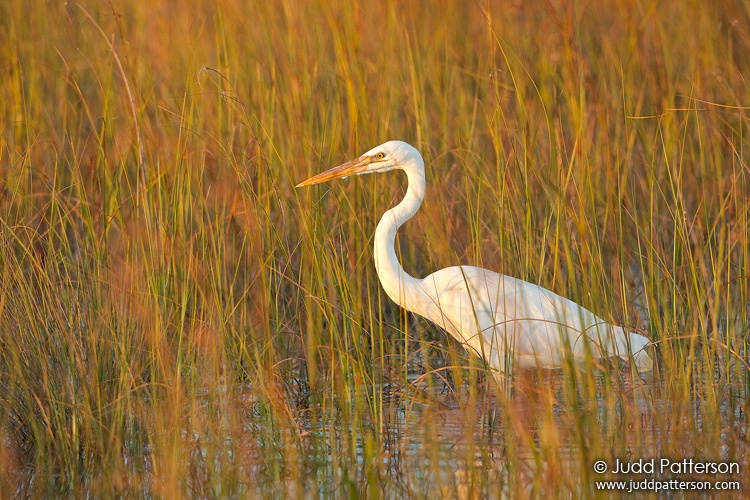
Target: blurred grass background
x,y
177,320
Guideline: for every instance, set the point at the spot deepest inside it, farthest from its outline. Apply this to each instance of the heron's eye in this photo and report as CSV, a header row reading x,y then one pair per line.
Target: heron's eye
x,y
380,156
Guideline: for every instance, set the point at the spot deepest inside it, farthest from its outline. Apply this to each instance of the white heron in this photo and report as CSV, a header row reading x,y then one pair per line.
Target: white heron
x,y
505,321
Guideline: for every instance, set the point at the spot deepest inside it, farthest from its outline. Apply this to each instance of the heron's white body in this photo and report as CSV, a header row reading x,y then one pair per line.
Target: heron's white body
x,y
506,321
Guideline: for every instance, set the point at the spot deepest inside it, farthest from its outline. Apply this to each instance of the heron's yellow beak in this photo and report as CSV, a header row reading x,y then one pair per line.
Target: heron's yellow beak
x,y
356,166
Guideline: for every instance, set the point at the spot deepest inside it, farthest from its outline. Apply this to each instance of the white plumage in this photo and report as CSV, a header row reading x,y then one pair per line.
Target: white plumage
x,y
506,321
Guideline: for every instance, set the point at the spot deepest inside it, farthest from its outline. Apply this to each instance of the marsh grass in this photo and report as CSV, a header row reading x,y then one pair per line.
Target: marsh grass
x,y
178,320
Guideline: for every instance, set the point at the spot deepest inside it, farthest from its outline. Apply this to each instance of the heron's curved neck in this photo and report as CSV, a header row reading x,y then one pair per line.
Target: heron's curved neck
x,y
398,284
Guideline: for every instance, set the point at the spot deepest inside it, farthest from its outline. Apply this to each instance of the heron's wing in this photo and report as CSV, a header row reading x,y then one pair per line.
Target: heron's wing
x,y
496,314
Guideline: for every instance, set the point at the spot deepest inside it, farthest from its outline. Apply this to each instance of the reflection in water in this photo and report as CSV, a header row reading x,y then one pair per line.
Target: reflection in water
x,y
471,442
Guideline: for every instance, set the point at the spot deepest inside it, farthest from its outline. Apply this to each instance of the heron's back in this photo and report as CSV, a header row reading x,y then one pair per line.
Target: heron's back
x,y
505,319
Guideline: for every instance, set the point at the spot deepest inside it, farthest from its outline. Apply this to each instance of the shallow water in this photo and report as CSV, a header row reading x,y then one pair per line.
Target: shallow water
x,y
459,444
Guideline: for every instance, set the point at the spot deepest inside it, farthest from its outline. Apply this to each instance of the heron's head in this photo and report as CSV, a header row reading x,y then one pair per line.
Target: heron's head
x,y
387,156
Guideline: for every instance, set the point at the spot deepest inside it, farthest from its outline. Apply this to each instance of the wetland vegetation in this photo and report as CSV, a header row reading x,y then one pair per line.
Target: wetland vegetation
x,y
177,320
